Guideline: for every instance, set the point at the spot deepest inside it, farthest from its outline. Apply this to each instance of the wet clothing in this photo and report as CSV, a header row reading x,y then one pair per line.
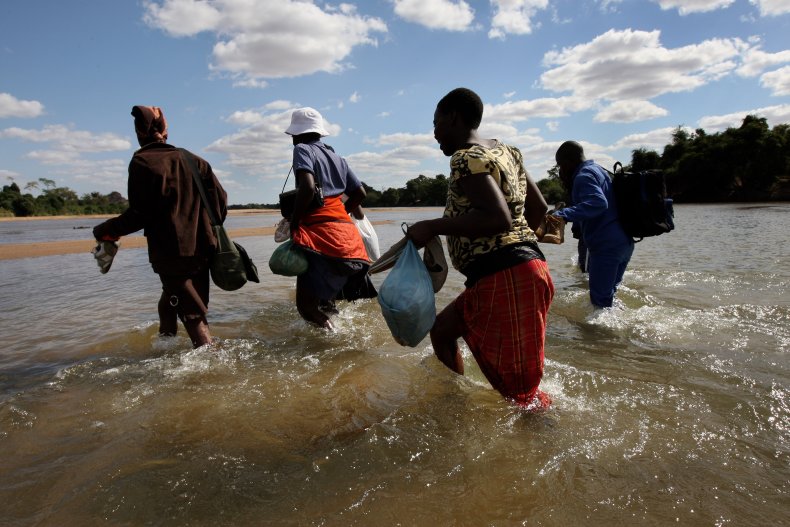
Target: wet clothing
x,y
187,294
509,288
334,247
609,247
330,232
164,201
505,165
327,277
505,324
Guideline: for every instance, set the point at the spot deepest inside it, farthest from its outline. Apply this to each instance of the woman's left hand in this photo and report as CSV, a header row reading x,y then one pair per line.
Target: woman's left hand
x,y
420,233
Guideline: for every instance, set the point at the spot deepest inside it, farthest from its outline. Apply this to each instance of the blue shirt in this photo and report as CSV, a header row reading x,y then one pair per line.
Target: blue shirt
x,y
330,170
594,208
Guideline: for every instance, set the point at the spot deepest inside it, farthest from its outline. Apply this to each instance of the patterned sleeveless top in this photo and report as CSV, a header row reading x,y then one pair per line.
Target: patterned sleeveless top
x,y
504,163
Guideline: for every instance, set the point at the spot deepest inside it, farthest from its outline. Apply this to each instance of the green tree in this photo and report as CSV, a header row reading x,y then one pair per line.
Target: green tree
x,y
552,188
390,197
643,159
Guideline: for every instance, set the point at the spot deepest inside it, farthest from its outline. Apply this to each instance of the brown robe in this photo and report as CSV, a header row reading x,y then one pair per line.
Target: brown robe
x,y
164,201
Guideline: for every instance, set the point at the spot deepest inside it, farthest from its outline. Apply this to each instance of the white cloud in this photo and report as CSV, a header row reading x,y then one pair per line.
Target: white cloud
x,y
772,7
68,140
514,16
755,60
628,64
653,140
8,174
778,81
250,83
261,146
182,18
405,139
686,7
279,104
245,118
773,114
67,154
267,38
609,5
514,111
355,97
629,111
10,106
448,15
407,156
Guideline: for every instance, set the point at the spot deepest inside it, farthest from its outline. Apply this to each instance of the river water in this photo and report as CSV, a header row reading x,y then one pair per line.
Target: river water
x,y
671,408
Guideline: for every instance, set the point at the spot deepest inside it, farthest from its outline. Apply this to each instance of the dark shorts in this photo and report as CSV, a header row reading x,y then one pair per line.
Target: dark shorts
x,y
187,294
326,277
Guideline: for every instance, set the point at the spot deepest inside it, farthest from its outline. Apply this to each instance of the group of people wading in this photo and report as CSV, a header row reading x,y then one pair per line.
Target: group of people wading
x,y
493,210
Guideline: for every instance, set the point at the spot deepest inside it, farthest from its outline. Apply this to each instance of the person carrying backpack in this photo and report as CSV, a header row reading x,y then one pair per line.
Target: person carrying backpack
x,y
609,247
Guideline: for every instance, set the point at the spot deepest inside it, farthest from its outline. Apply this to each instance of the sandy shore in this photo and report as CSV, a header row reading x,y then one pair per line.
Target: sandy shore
x,y
13,251
234,212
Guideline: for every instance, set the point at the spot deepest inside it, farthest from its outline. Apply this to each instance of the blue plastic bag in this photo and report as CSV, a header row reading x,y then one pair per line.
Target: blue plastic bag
x,y
406,298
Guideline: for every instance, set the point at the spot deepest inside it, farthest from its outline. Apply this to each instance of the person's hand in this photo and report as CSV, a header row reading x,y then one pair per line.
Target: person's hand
x,y
420,233
104,253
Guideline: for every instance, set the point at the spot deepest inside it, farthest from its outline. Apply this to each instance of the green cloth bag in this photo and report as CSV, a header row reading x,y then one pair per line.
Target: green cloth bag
x,y
288,260
228,270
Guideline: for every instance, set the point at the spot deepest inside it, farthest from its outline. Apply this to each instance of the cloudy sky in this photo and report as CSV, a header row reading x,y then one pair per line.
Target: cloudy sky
x,y
613,74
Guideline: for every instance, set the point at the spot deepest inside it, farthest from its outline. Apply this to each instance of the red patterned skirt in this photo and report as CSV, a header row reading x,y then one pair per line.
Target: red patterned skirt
x,y
505,318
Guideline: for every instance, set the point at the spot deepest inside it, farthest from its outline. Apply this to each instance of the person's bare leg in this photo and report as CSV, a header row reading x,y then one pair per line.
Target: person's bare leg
x,y
445,333
307,305
197,329
168,316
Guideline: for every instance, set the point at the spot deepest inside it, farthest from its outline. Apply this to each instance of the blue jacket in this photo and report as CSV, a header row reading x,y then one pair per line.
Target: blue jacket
x,y
594,208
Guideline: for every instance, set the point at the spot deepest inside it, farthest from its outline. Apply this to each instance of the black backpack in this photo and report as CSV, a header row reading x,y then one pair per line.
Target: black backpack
x,y
642,202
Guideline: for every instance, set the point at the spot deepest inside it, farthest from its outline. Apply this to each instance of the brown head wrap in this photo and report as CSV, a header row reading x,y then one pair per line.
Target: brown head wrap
x,y
150,124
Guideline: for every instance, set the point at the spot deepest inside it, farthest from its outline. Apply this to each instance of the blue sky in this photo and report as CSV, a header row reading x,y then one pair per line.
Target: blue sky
x,y
613,74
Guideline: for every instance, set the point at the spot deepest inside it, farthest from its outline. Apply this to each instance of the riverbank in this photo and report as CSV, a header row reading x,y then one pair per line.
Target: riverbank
x,y
231,212
14,251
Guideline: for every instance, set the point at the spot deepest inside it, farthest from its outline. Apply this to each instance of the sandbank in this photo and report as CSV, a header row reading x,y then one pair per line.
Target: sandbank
x,y
13,251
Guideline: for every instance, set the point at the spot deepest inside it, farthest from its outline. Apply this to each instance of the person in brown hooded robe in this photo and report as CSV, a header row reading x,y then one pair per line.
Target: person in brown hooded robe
x,y
164,201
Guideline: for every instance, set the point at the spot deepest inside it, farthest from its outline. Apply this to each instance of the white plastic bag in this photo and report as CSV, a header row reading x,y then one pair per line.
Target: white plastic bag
x,y
283,231
369,237
406,298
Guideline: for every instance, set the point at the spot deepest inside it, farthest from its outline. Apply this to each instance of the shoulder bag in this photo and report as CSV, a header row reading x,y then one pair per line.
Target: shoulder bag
x,y
230,266
288,199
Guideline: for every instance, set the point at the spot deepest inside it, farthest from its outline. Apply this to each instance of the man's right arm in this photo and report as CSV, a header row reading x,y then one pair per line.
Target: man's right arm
x,y
133,219
588,197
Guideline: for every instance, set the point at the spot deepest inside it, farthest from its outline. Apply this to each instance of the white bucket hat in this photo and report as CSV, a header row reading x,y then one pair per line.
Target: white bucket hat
x,y
305,121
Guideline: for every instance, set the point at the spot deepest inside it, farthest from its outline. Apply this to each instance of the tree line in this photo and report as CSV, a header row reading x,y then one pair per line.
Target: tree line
x,y
54,201
747,163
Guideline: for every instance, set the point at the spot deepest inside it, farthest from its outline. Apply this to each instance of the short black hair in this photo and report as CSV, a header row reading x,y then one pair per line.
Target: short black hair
x,y
570,151
466,102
